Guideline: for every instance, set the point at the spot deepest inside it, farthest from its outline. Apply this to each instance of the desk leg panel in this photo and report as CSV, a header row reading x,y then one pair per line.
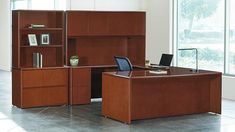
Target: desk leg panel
x,y
159,97
116,98
215,94
80,86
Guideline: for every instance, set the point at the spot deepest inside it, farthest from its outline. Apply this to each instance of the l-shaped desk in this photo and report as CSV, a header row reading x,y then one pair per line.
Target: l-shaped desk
x,y
96,37
142,94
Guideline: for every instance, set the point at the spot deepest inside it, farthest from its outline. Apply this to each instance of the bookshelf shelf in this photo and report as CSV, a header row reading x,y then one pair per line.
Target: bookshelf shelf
x,y
43,46
42,29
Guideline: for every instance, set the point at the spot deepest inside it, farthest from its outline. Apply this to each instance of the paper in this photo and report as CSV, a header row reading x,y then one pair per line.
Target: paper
x,y
158,72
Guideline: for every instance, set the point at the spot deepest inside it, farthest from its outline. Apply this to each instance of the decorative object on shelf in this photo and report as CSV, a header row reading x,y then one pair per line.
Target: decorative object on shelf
x,y
32,40
45,39
36,26
37,60
147,62
74,60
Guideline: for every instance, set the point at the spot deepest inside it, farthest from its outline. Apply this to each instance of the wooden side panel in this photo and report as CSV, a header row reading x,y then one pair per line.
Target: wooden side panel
x,y
80,86
16,87
116,98
15,40
216,93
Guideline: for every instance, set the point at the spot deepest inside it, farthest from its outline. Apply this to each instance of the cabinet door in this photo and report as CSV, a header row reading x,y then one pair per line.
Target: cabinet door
x,y
98,23
132,23
80,88
77,23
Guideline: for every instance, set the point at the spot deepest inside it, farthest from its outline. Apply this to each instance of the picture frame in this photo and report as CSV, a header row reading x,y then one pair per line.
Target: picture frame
x,y
45,39
32,39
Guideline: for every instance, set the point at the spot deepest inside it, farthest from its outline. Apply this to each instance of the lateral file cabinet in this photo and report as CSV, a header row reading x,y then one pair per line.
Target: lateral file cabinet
x,y
39,87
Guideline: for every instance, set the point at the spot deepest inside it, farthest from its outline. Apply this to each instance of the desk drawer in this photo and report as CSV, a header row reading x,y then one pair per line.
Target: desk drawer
x,y
46,96
81,77
44,78
32,78
55,77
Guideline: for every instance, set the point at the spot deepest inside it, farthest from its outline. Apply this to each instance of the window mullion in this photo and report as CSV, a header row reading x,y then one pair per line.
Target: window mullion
x,y
226,36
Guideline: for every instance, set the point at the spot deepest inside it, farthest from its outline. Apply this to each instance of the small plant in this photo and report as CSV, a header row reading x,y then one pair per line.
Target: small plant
x,y
74,57
74,60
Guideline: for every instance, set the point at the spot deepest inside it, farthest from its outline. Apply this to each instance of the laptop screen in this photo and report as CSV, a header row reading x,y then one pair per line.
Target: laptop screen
x,y
166,60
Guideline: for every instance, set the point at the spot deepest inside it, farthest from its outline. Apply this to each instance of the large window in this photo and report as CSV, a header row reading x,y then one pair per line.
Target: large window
x,y
209,26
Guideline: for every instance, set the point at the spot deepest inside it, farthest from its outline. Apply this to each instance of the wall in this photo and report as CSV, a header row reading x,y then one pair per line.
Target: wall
x,y
158,29
228,91
114,5
5,35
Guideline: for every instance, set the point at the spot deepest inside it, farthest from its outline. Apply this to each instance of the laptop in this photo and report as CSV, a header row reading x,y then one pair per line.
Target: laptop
x,y
165,61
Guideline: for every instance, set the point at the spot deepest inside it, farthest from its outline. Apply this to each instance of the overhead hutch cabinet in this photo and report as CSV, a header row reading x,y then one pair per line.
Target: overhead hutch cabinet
x,y
95,36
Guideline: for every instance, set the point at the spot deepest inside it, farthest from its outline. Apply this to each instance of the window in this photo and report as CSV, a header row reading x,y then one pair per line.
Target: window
x,y
201,24
39,4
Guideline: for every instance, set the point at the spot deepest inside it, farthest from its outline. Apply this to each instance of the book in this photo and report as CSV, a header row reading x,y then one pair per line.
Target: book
x,y
36,26
37,60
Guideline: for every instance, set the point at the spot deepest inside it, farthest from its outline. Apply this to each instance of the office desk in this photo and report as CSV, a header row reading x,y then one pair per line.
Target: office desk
x,y
141,94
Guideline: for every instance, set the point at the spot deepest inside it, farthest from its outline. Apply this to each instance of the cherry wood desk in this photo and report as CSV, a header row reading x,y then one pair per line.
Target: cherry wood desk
x,y
142,94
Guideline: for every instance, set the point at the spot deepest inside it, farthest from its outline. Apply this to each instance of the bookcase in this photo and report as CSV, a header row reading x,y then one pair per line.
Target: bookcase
x,y
53,53
48,85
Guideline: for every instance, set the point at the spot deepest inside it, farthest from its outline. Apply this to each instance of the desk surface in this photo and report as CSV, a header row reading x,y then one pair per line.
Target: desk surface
x,y
171,72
